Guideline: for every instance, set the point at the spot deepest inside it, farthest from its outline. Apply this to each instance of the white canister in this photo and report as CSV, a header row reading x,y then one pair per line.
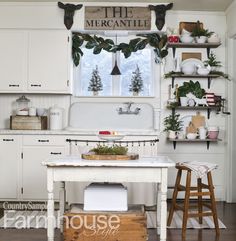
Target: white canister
x,y
202,133
56,118
32,111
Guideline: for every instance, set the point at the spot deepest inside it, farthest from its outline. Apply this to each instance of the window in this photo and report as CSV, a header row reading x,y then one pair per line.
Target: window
x,y
115,85
89,61
143,60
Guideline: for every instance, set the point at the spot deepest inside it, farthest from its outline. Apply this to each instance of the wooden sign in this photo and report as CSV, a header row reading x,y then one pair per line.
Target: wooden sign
x,y
117,18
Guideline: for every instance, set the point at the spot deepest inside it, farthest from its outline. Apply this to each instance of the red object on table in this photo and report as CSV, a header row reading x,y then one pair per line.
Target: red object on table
x,y
173,39
104,133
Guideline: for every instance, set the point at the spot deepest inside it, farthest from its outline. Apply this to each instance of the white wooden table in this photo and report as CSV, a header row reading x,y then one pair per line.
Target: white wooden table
x,y
74,169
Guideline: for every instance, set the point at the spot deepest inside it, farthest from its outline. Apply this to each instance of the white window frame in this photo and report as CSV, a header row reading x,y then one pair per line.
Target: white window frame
x,y
156,71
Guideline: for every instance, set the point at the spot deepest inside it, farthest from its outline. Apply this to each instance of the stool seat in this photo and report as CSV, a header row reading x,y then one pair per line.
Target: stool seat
x,y
191,191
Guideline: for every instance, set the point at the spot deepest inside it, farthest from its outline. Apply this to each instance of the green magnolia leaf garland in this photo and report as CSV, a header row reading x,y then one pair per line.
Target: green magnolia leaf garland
x,y
158,42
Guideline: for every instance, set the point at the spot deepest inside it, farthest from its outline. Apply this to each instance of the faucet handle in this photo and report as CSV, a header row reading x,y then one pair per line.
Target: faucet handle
x,y
129,103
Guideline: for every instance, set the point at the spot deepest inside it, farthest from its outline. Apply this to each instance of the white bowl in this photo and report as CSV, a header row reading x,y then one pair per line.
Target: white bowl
x,y
214,38
185,38
203,71
191,136
201,39
111,137
40,111
188,69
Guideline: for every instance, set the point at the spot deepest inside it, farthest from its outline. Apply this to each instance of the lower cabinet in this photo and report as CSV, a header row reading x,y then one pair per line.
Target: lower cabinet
x,y
22,175
10,155
34,175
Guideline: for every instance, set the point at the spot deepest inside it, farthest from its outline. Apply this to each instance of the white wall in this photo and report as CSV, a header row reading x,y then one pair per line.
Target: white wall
x,y
231,34
47,15
231,19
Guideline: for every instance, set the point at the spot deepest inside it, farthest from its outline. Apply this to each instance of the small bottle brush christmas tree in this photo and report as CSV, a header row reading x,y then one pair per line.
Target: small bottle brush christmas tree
x,y
136,85
95,83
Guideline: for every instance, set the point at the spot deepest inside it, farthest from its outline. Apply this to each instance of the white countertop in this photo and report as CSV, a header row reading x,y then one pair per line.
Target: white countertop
x,y
75,161
72,132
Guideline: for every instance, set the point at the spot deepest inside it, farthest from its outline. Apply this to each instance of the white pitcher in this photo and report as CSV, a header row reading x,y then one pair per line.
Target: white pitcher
x,y
202,133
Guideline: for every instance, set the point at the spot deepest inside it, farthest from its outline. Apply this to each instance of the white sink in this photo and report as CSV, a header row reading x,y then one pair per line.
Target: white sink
x,y
92,117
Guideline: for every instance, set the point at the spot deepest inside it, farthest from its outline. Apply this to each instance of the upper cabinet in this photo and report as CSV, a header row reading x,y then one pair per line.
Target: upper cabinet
x,y
13,60
49,61
35,61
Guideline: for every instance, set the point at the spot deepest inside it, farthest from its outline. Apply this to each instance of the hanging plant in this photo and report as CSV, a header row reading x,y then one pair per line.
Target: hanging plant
x,y
158,42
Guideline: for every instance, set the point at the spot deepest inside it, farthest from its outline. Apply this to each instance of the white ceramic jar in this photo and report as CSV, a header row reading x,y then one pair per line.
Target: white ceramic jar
x,y
56,118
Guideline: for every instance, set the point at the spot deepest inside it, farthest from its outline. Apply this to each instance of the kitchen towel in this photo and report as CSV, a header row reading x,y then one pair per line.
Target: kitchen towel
x,y
200,169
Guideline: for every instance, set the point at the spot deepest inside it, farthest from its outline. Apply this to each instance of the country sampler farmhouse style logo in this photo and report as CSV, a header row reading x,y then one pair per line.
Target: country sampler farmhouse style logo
x,y
117,18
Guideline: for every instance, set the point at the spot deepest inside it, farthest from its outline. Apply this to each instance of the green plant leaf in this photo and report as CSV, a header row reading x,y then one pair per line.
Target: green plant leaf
x,y
90,45
97,50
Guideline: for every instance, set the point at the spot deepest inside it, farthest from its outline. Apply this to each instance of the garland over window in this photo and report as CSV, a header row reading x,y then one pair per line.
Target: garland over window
x,y
158,42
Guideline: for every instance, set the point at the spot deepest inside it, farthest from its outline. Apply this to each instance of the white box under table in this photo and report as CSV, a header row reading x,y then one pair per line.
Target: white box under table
x,y
105,197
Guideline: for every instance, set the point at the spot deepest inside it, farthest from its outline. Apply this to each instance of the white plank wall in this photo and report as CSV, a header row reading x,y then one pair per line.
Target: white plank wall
x,y
28,16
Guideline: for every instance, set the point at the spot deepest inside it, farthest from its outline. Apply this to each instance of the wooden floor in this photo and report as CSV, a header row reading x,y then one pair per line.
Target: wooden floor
x,y
226,212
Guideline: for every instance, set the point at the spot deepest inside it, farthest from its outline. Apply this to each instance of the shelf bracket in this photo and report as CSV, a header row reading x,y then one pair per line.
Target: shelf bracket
x,y
208,113
174,51
208,145
173,111
174,144
208,52
209,82
173,82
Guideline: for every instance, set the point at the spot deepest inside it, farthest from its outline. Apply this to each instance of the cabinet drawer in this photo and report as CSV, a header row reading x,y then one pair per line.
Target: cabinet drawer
x,y
44,140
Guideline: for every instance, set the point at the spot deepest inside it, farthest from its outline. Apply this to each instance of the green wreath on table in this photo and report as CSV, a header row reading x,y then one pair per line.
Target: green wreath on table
x,y
155,40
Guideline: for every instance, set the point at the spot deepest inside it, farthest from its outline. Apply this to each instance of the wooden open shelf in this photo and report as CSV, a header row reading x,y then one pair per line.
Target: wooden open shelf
x,y
207,46
208,141
197,108
209,77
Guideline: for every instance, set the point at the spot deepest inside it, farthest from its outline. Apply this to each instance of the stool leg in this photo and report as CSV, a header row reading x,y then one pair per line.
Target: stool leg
x,y
199,189
186,204
213,202
174,197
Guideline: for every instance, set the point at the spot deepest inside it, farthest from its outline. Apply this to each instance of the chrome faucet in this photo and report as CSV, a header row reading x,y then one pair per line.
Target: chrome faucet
x,y
128,110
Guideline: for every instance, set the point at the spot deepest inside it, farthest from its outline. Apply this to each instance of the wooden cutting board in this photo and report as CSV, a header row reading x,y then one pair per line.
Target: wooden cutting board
x,y
198,120
93,156
191,128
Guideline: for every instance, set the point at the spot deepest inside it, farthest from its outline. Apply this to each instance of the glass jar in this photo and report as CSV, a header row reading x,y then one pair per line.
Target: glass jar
x,y
22,105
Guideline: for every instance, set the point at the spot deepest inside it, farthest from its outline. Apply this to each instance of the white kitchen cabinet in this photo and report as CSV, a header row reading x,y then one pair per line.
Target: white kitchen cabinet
x,y
35,61
10,156
13,60
22,176
34,176
49,61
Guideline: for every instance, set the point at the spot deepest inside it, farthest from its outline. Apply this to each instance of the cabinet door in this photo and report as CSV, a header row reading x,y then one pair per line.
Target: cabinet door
x,y
10,156
13,60
34,175
49,55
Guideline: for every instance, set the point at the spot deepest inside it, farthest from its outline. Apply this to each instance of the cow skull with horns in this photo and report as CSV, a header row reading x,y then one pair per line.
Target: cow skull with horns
x,y
160,11
69,12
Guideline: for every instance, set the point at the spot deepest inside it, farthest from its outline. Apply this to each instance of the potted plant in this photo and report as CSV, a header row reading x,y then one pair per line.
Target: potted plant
x,y
95,84
136,85
200,34
189,87
172,125
213,62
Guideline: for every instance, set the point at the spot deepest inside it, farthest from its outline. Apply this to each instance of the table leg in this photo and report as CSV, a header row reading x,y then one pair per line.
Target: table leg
x,y
50,212
163,197
62,200
158,214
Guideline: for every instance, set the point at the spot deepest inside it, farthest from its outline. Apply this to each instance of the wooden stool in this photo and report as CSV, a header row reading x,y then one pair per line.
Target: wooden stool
x,y
199,193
